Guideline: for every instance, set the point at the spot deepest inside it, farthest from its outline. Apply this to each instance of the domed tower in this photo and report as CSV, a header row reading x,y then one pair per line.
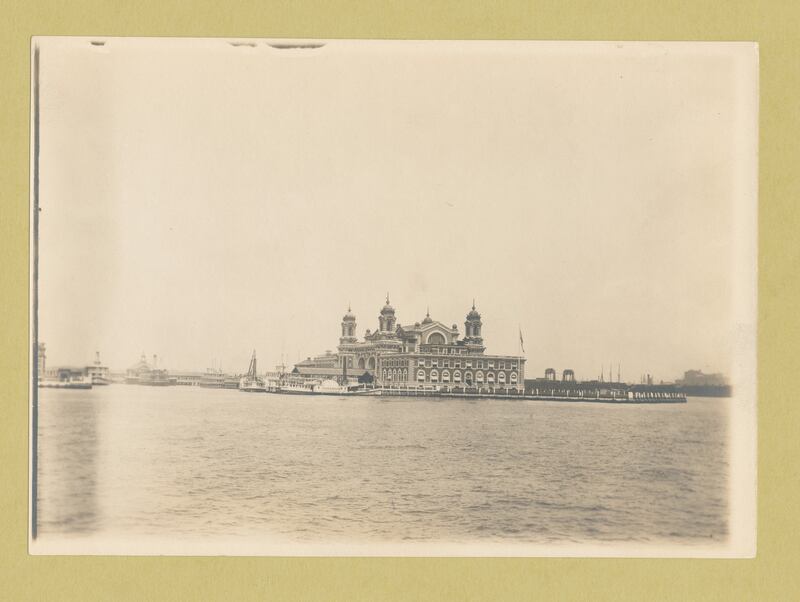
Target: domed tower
x,y
428,318
348,327
387,319
473,327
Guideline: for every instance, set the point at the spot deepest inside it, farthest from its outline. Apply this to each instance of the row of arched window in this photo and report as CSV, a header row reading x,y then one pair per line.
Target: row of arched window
x,y
445,376
395,374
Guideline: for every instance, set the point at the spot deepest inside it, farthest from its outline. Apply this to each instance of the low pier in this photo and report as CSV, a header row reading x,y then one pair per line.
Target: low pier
x,y
602,392
553,391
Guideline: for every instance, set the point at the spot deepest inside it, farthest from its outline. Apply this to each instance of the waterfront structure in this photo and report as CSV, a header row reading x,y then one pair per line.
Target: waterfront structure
x,y
143,373
428,354
568,388
697,378
699,384
70,377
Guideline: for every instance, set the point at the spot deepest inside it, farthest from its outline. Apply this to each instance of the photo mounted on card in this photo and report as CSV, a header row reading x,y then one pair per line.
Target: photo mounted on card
x,y
393,298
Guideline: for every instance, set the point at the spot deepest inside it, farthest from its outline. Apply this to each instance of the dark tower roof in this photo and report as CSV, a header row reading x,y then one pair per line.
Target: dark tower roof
x,y
473,315
387,309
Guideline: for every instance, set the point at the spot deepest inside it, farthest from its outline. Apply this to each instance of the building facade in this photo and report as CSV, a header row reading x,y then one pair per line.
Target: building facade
x,y
428,354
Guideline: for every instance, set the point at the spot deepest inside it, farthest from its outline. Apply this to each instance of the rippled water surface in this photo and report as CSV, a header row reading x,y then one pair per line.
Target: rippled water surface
x,y
188,461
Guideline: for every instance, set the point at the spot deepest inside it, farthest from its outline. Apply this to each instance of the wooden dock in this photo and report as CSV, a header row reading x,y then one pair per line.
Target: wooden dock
x,y
620,395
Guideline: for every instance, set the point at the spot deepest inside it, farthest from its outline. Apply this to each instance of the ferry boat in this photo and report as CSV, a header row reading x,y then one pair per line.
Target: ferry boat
x,y
215,378
212,379
326,387
98,373
293,388
251,382
230,382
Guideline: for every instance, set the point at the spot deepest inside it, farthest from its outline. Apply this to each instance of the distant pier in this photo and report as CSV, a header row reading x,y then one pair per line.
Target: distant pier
x,y
576,392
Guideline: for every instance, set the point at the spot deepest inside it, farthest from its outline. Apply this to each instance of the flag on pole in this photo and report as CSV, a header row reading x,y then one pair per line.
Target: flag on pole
x,y
521,342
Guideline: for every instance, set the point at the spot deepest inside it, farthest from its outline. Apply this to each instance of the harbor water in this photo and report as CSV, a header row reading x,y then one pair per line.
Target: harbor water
x,y
171,462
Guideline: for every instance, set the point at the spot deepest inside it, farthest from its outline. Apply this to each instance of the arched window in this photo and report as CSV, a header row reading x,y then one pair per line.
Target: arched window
x,y
468,377
420,375
436,338
361,363
371,363
434,376
501,377
513,377
384,374
349,362
479,376
446,376
490,377
457,376
405,374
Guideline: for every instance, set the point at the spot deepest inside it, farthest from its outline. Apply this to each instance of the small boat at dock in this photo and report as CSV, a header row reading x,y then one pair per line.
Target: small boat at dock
x,y
98,372
252,382
312,387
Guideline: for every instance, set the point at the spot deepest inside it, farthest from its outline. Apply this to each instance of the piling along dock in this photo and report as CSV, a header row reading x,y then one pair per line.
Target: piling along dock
x,y
597,391
590,392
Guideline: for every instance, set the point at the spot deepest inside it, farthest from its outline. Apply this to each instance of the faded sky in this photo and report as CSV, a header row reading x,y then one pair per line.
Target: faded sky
x,y
200,200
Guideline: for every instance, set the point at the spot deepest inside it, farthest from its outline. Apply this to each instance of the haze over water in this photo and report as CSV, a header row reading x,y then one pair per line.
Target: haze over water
x,y
139,462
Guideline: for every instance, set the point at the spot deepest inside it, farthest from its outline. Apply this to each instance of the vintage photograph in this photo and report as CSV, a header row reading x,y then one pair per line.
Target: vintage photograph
x,y
393,298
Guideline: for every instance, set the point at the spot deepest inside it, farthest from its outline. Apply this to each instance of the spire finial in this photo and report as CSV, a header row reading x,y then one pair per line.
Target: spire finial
x,y
473,303
387,298
348,307
428,312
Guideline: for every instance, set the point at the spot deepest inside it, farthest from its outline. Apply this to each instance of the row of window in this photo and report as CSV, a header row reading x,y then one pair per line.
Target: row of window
x,y
445,350
401,375
445,377
434,363
428,363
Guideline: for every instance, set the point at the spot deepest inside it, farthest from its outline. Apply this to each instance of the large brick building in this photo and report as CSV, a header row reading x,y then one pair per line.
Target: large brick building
x,y
426,354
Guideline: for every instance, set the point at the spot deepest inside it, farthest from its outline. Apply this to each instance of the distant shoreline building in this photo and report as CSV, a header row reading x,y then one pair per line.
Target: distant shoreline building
x,y
697,383
428,353
697,378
